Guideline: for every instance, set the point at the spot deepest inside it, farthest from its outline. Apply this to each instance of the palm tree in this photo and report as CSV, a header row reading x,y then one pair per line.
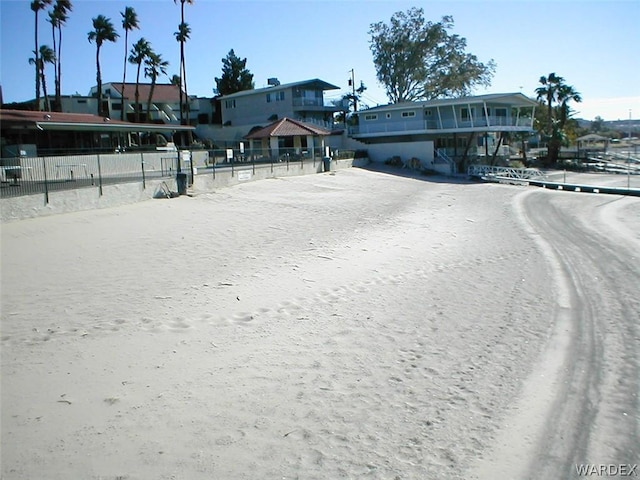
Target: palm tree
x,y
43,56
139,52
549,93
566,93
182,35
54,21
36,6
58,18
554,89
129,22
154,67
103,31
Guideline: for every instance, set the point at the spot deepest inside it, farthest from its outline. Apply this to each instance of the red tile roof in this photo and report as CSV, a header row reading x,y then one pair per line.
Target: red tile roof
x,y
287,127
162,93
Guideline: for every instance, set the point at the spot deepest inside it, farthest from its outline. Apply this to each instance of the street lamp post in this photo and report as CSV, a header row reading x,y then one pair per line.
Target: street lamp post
x,y
629,155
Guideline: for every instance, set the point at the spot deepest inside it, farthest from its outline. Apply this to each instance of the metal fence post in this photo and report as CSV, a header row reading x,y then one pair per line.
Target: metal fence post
x,y
144,183
46,185
99,175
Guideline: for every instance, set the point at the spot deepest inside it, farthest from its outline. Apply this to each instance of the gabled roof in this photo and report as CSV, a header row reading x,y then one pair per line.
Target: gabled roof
x,y
314,83
78,122
591,137
287,127
514,99
162,92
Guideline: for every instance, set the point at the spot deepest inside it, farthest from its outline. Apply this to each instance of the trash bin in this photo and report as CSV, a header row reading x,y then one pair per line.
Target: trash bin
x,y
326,161
181,179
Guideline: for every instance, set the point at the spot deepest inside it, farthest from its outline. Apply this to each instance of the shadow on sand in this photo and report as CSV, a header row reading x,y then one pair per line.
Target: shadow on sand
x,y
459,179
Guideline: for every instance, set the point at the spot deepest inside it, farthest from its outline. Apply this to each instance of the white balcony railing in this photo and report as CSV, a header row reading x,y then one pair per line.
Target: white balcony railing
x,y
431,125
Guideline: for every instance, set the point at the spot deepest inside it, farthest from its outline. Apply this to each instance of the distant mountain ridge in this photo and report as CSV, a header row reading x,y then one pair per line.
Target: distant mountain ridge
x,y
622,125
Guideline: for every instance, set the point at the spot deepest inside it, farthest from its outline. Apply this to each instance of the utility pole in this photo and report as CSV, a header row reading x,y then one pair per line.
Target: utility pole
x,y
629,155
352,82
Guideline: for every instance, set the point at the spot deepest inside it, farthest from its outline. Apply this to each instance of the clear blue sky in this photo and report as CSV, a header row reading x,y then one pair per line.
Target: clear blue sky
x,y
594,45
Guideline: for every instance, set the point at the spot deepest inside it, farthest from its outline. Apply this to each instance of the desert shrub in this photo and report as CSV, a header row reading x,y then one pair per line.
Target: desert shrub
x,y
394,161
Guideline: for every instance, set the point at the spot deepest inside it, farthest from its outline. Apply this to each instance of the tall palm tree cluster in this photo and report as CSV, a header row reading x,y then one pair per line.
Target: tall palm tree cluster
x,y
141,55
554,90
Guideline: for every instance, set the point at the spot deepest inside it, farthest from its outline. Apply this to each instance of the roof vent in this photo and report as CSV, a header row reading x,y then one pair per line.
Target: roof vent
x,y
273,81
107,119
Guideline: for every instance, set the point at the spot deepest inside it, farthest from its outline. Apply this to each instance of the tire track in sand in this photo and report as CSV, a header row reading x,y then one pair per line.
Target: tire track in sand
x,y
565,415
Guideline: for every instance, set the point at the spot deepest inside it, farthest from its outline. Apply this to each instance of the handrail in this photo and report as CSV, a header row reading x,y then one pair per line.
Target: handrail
x,y
494,171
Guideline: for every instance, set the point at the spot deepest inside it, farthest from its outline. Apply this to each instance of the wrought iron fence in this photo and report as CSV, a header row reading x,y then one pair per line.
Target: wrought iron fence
x,y
33,175
264,155
242,159
41,175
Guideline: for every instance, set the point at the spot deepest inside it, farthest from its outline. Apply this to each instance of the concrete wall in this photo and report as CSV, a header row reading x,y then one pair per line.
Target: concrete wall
x,y
422,150
30,206
65,201
205,181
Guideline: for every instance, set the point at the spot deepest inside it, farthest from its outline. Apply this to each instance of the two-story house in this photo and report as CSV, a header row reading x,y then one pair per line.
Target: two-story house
x,y
302,101
449,132
164,108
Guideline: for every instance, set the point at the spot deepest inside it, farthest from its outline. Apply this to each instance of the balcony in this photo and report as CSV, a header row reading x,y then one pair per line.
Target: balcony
x,y
379,128
313,105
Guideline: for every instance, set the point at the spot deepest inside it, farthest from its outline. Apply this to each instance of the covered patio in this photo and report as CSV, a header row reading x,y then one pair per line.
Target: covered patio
x,y
289,139
65,133
592,144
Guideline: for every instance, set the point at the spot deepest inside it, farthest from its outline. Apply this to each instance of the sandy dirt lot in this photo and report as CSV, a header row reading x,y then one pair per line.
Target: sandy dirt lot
x,y
357,324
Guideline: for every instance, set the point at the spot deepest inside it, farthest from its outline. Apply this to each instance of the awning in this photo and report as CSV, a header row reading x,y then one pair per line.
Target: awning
x,y
113,127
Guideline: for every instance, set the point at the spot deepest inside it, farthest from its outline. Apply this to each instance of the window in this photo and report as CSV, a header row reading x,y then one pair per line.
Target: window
x,y
82,101
428,113
275,97
501,112
388,115
467,114
408,114
371,116
230,103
